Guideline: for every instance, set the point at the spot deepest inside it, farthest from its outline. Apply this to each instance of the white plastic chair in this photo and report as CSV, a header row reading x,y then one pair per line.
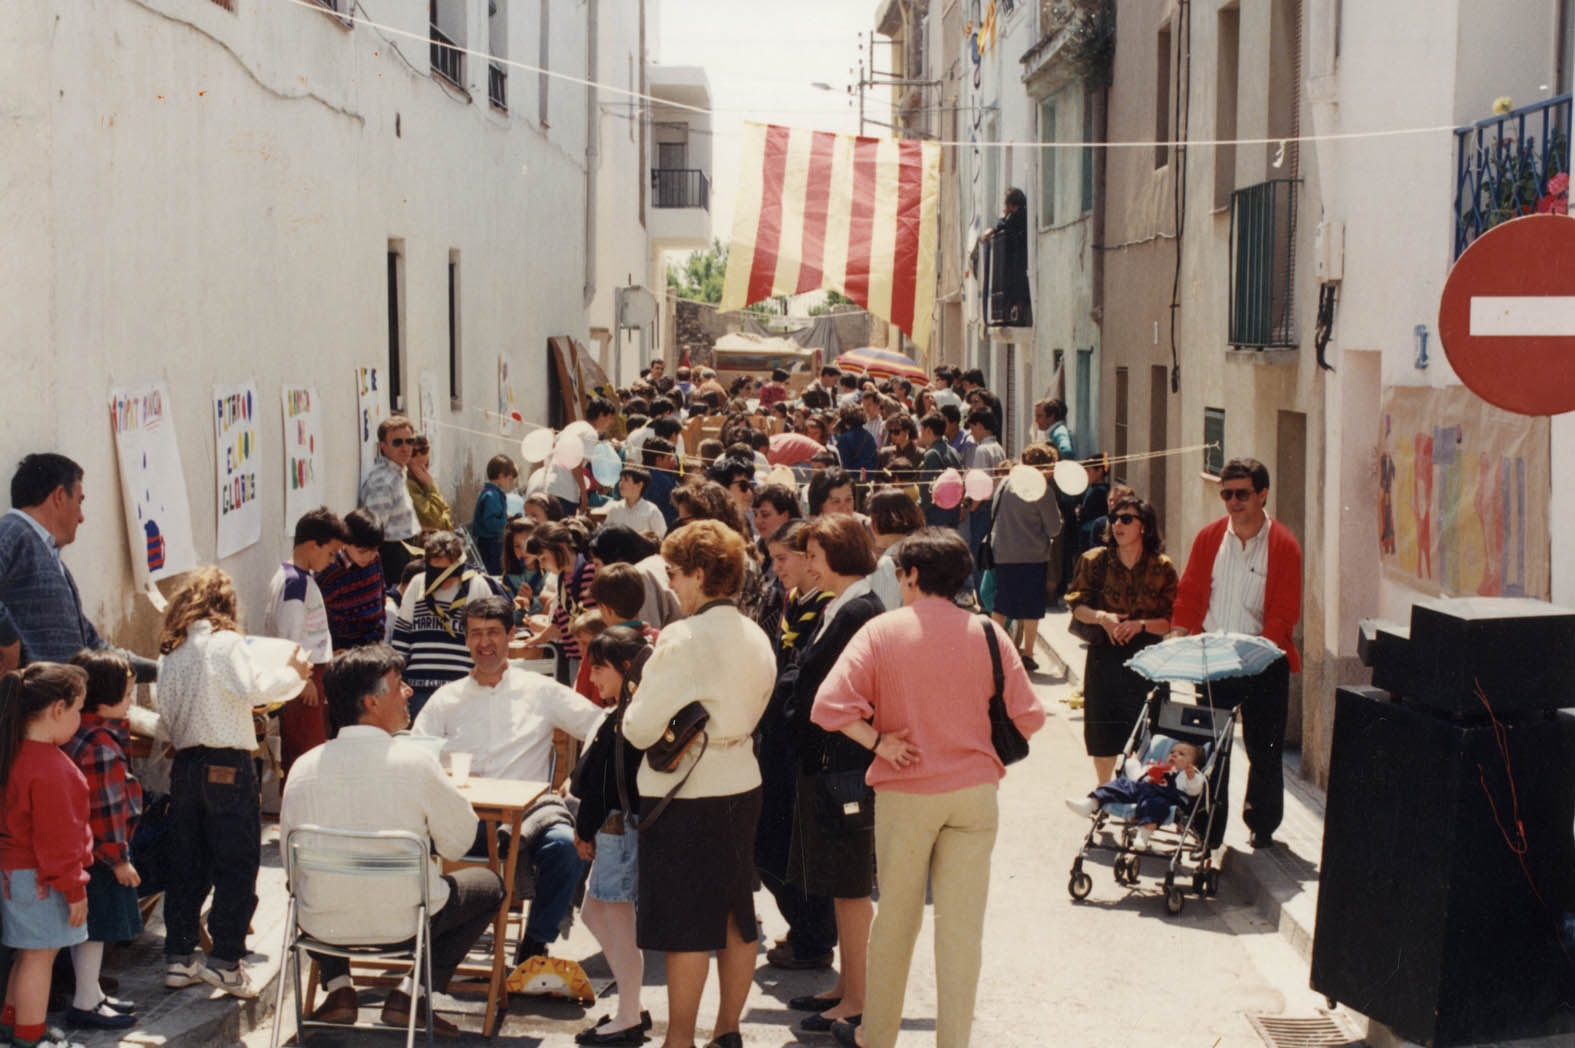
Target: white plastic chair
x,y
320,854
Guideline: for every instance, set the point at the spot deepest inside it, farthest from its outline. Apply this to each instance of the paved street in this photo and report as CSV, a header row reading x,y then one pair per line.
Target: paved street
x,y
1114,970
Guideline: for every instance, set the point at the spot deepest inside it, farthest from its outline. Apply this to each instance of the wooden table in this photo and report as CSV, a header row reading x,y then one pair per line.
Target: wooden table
x,y
498,802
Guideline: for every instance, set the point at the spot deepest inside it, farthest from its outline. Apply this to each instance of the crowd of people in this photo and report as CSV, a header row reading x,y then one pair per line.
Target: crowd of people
x,y
812,635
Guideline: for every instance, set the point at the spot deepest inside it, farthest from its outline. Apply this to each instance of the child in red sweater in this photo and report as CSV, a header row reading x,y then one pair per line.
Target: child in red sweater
x,y
45,843
114,805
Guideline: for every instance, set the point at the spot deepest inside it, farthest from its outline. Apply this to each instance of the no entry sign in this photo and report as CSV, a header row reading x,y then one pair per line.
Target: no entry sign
x,y
1507,317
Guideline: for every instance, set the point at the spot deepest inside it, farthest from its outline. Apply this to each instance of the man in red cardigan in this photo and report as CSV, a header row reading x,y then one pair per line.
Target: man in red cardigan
x,y
1244,575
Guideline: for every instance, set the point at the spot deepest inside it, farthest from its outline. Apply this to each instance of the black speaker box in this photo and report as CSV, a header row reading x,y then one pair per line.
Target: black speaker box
x,y
1522,651
1427,920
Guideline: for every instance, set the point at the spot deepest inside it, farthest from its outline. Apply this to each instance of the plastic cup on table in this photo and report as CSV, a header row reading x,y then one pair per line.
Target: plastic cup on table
x,y
459,768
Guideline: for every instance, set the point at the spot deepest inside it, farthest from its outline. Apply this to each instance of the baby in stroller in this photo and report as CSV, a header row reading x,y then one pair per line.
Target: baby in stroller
x,y
1155,788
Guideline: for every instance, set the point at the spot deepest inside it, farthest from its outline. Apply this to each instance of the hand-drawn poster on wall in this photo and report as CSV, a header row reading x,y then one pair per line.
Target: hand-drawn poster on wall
x,y
427,394
1463,503
303,486
235,445
508,402
152,484
371,408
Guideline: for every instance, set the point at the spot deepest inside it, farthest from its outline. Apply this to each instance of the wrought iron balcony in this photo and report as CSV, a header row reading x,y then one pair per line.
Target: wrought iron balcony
x,y
680,187
498,87
1508,165
1262,265
448,61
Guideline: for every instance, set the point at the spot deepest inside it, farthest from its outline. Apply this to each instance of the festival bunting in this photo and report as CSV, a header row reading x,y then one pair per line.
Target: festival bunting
x,y
855,215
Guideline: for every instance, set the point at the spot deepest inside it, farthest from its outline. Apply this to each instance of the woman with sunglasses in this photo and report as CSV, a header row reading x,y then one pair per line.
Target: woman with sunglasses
x,y
1125,590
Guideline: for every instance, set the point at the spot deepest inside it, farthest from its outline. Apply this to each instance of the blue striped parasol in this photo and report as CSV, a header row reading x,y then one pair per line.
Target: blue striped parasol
x,y
1204,657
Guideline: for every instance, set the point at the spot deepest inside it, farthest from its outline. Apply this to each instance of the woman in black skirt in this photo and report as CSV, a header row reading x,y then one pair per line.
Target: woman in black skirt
x,y
1126,589
1022,540
696,879
826,860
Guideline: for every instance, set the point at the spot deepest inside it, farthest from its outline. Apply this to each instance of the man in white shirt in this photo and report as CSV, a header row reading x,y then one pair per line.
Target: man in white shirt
x,y
366,779
504,718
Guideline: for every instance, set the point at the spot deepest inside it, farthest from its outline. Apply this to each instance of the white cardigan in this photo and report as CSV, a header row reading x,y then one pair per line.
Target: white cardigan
x,y
724,661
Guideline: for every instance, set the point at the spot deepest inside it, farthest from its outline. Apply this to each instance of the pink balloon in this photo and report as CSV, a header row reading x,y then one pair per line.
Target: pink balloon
x,y
947,491
570,452
977,485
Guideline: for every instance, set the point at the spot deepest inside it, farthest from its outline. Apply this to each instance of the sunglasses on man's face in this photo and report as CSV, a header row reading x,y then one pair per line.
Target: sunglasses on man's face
x,y
400,442
1126,518
1235,494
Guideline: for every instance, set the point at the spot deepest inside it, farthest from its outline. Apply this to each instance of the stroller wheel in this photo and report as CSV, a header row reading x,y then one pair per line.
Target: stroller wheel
x,y
1174,900
1080,885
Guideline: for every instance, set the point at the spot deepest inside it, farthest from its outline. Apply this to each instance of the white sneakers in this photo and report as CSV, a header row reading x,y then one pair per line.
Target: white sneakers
x,y
1141,838
236,981
1085,807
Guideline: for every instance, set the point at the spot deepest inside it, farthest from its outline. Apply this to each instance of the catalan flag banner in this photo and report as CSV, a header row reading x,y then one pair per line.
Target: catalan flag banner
x,y
855,215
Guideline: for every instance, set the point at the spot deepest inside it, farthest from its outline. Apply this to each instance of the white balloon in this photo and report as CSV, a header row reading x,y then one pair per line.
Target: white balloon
x,y
782,475
1028,483
1071,477
569,451
537,444
586,432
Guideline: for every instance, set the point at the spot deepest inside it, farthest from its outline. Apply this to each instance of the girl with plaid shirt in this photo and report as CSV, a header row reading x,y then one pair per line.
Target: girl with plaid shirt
x,y
114,805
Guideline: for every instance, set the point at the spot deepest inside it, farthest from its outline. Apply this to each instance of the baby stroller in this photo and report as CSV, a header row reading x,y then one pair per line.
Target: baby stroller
x,y
1184,834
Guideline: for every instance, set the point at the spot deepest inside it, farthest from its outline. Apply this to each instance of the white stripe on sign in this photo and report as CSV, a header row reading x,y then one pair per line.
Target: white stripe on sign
x,y
1524,316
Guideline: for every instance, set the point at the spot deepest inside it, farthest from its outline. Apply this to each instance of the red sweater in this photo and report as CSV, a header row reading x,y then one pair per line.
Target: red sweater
x,y
44,823
1282,589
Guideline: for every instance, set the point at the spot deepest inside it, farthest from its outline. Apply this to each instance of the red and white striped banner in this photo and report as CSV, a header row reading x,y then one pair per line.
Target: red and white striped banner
x,y
855,215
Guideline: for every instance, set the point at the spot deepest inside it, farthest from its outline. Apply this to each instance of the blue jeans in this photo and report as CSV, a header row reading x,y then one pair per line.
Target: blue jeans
x,y
557,867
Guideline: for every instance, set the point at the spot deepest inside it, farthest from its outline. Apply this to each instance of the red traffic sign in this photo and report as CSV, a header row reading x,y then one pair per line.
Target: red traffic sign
x,y
1507,316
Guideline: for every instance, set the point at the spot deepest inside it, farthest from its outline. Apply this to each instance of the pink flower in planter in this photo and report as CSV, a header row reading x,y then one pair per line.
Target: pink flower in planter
x,y
1556,200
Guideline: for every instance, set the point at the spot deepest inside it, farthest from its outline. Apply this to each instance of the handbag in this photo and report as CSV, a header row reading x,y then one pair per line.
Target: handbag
x,y
683,728
1090,632
844,803
986,559
1009,743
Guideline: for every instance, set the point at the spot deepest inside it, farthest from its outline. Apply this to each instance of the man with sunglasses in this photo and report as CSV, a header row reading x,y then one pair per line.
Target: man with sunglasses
x,y
1244,575
385,493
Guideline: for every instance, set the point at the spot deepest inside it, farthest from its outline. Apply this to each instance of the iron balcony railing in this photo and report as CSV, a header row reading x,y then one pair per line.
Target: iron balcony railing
x,y
1509,165
680,187
1262,265
448,61
498,86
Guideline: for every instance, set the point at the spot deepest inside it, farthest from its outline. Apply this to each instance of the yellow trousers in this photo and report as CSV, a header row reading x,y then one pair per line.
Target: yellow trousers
x,y
943,840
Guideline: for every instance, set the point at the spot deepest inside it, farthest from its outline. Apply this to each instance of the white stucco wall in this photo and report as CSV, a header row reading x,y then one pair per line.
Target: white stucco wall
x,y
202,196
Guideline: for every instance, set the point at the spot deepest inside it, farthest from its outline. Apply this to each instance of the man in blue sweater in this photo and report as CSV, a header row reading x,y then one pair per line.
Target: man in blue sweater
x,y
38,597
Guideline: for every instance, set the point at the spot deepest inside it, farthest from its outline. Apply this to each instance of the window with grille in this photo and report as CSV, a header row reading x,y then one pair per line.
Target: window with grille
x,y
1214,438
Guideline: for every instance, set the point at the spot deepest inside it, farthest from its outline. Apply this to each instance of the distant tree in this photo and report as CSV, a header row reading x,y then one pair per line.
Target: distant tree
x,y
702,274
833,303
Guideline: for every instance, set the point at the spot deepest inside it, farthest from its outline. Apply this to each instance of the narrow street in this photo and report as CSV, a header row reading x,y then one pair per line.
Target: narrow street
x,y
1112,970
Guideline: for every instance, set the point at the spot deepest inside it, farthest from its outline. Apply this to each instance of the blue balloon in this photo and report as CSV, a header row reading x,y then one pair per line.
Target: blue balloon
x,y
606,465
516,504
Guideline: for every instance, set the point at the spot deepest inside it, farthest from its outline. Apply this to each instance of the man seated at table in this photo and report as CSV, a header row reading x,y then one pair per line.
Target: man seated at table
x,y
365,779
504,716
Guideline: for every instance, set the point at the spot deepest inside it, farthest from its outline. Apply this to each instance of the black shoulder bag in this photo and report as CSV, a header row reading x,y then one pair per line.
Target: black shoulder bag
x,y
1091,632
1009,743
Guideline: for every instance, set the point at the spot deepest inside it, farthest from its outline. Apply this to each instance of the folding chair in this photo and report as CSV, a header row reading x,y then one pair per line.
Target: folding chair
x,y
314,857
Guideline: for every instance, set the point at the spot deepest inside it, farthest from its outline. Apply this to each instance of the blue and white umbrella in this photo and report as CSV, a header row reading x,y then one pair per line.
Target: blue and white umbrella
x,y
1203,657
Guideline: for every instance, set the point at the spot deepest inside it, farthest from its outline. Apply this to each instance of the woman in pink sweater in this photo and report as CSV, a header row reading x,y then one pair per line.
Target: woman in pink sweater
x,y
900,689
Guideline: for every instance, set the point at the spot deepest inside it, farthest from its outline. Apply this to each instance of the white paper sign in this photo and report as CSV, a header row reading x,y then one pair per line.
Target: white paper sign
x,y
372,408
303,485
152,485
239,507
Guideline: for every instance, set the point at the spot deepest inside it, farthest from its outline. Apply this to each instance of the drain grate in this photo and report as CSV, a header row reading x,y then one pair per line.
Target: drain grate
x,y
1279,1031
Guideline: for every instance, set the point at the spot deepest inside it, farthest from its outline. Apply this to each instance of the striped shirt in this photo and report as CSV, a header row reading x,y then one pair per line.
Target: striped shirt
x,y
433,655
386,494
1236,585
354,599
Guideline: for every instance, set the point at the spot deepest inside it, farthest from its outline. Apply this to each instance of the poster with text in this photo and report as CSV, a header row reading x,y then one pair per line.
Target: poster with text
x,y
1462,495
303,486
428,421
371,408
152,484
235,462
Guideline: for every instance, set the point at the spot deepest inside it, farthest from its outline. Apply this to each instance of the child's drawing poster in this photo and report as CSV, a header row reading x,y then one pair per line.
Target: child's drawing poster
x,y
371,408
303,448
235,462
1459,509
152,484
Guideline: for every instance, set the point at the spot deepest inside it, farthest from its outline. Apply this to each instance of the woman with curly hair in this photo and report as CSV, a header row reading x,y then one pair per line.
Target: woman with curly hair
x,y
210,680
696,876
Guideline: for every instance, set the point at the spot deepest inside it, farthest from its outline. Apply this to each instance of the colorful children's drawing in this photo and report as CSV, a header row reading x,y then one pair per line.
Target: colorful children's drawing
x,y
303,485
152,483
239,508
